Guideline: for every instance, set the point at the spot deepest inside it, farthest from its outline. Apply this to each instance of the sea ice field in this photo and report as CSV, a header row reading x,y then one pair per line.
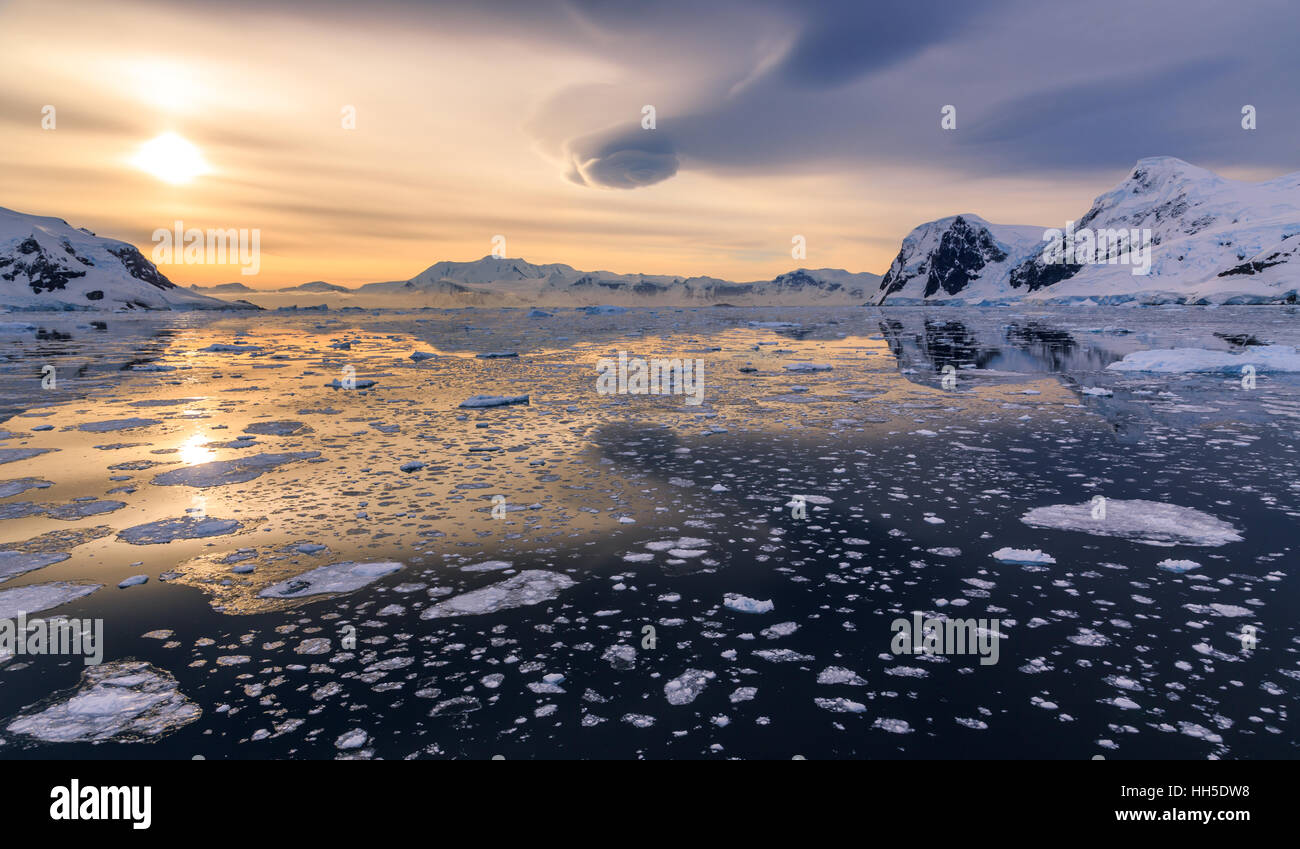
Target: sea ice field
x,y
426,534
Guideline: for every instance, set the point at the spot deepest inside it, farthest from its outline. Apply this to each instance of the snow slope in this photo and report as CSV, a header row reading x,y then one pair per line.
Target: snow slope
x,y
46,264
1213,240
963,257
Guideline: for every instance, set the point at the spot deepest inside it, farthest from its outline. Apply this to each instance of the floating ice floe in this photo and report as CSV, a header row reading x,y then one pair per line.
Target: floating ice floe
x,y
354,739
314,645
1178,566
1229,610
803,367
779,630
186,527
34,598
497,355
840,705
123,701
840,675
81,509
893,726
1022,555
238,348
284,428
1149,522
683,689
21,485
335,578
15,563
117,424
224,472
1266,358
529,587
620,656
745,604
488,566
479,401
782,656
13,455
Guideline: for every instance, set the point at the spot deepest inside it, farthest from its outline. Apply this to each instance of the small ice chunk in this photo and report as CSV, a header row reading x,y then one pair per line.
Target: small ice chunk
x,y
840,675
354,739
480,401
840,705
683,689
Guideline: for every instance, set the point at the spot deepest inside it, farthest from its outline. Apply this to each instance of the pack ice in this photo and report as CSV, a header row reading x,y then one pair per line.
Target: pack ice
x,y
1265,358
34,598
335,578
529,587
1149,522
125,701
223,472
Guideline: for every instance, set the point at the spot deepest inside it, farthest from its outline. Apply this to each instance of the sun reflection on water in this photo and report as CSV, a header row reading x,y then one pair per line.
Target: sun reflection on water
x,y
194,450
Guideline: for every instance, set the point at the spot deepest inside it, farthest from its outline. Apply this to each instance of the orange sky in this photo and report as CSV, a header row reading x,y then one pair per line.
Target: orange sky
x,y
444,157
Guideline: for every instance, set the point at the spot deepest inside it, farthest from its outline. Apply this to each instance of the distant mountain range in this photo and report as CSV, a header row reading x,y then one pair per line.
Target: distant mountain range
x,y
1211,240
314,286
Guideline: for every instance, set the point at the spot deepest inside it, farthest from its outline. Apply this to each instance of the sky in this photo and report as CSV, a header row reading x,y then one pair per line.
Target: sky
x,y
526,120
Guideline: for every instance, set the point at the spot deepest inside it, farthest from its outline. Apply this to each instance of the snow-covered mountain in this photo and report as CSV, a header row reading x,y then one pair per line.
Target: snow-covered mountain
x,y
46,264
1212,240
497,281
314,286
224,288
959,257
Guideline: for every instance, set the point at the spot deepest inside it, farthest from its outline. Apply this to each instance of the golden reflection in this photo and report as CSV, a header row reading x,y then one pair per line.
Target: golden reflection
x,y
194,451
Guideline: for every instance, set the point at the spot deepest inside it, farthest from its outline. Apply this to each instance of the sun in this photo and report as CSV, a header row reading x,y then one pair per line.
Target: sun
x,y
171,158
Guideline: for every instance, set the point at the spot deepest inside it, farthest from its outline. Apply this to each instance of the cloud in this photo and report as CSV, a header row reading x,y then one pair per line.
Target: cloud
x,y
856,87
844,39
626,160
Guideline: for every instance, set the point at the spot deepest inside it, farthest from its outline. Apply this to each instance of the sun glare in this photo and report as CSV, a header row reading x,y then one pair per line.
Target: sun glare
x,y
194,450
171,158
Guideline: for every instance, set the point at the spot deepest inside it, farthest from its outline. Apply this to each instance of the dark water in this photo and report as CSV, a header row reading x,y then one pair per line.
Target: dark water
x,y
1103,653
